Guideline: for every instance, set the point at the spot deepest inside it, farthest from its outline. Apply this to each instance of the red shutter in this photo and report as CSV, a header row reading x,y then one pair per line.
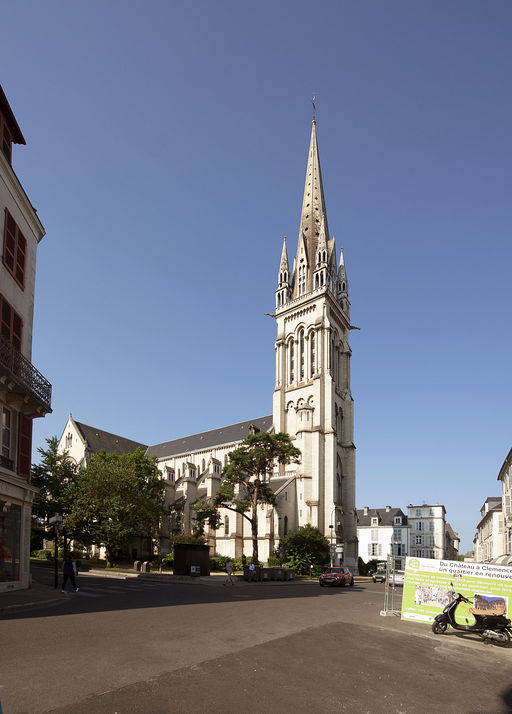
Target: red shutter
x,y
11,324
24,446
15,249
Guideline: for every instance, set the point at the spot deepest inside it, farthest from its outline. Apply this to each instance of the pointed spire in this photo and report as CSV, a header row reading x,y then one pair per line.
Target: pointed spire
x,y
284,259
313,204
313,219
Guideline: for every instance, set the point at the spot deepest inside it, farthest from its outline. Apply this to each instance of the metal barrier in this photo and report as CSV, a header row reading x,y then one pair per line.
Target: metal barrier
x,y
393,592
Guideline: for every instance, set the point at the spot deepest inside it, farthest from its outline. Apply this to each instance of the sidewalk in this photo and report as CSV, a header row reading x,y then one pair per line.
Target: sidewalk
x,y
38,595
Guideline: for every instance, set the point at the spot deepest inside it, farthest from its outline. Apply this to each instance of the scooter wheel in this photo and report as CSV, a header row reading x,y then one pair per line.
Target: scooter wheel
x,y
504,640
439,628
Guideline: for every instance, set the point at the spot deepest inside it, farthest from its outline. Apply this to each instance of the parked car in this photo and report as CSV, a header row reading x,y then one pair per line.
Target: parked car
x,y
396,577
379,576
336,575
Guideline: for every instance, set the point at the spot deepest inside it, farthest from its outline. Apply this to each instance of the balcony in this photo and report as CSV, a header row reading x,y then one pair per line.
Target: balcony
x,y
21,385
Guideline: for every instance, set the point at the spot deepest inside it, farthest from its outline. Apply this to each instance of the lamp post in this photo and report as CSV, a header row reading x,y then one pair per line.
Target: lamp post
x,y
56,520
332,551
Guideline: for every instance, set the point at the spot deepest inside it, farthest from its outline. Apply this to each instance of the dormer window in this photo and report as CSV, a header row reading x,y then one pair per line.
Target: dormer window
x,y
398,520
374,521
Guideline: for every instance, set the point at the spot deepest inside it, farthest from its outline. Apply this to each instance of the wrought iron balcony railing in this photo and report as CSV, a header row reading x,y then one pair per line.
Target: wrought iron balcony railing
x,y
24,373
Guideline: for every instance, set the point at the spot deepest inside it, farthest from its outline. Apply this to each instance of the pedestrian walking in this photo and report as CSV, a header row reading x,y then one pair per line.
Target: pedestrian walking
x,y
69,572
252,572
229,572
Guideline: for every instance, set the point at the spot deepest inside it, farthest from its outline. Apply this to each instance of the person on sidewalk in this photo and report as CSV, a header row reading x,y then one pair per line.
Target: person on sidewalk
x,y
252,571
69,571
229,572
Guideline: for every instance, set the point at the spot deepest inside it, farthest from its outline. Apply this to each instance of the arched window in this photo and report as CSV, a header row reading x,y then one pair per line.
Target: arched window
x,y
226,525
302,360
302,277
203,466
291,361
312,356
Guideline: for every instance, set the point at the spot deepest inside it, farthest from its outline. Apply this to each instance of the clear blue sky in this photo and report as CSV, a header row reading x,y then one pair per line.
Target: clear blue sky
x,y
166,153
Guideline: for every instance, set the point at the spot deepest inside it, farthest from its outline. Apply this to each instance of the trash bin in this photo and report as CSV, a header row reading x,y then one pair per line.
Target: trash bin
x,y
136,565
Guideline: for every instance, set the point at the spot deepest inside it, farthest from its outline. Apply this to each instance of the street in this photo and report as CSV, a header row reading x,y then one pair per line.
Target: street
x,y
143,646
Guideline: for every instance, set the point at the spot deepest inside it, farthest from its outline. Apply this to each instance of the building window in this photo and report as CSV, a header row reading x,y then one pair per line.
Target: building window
x,y
226,525
418,540
312,354
15,248
5,136
302,278
375,522
69,440
11,324
285,525
170,474
398,520
291,357
431,526
375,549
6,435
302,360
420,526
418,512
397,534
374,534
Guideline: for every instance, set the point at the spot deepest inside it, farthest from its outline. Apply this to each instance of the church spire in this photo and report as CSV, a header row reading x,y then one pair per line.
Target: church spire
x,y
313,219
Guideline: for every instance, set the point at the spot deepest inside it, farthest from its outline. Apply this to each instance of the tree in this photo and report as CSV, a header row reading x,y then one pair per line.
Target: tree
x,y
244,485
304,548
117,497
55,477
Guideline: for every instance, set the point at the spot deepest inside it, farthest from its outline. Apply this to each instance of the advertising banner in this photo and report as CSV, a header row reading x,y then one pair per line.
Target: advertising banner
x,y
430,584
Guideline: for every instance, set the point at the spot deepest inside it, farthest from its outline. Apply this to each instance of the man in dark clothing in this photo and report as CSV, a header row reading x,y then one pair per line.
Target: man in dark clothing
x,y
68,571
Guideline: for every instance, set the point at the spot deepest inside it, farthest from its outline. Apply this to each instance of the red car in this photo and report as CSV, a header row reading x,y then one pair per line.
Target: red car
x,y
336,575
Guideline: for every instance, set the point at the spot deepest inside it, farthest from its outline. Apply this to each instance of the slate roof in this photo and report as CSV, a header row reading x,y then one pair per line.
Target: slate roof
x,y
208,439
386,518
97,439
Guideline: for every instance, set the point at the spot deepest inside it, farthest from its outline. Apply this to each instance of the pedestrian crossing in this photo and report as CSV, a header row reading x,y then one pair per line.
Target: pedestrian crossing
x,y
93,590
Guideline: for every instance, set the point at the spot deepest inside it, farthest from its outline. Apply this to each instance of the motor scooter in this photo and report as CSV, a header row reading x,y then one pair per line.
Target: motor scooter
x,y
494,629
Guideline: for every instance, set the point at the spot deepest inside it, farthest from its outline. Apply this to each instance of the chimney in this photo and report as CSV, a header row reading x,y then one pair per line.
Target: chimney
x,y
365,511
388,508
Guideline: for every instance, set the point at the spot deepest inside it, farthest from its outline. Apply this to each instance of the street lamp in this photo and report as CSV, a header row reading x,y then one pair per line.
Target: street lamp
x,y
56,520
332,551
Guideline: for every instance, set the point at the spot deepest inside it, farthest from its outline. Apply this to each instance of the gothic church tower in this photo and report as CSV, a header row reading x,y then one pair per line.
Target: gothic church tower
x,y
312,397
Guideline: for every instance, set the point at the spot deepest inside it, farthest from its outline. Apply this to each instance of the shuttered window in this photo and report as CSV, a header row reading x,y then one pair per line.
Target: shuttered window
x,y
24,446
15,249
11,325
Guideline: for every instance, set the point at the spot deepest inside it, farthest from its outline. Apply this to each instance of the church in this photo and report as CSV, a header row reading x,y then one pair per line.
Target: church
x,y
312,402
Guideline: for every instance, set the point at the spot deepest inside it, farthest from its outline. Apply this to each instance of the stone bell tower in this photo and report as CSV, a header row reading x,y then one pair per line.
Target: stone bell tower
x,y
312,397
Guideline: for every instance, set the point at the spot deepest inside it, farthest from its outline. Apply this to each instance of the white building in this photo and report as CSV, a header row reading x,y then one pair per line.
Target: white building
x,y
488,543
505,476
24,393
428,531
312,402
382,532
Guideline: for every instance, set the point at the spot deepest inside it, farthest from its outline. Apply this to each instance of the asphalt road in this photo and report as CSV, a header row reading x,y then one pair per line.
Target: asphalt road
x,y
133,646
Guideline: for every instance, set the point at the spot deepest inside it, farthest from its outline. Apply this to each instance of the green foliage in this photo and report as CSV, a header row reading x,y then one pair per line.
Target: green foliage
x,y
364,568
117,497
218,563
168,560
304,548
43,553
244,484
274,561
188,538
55,477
